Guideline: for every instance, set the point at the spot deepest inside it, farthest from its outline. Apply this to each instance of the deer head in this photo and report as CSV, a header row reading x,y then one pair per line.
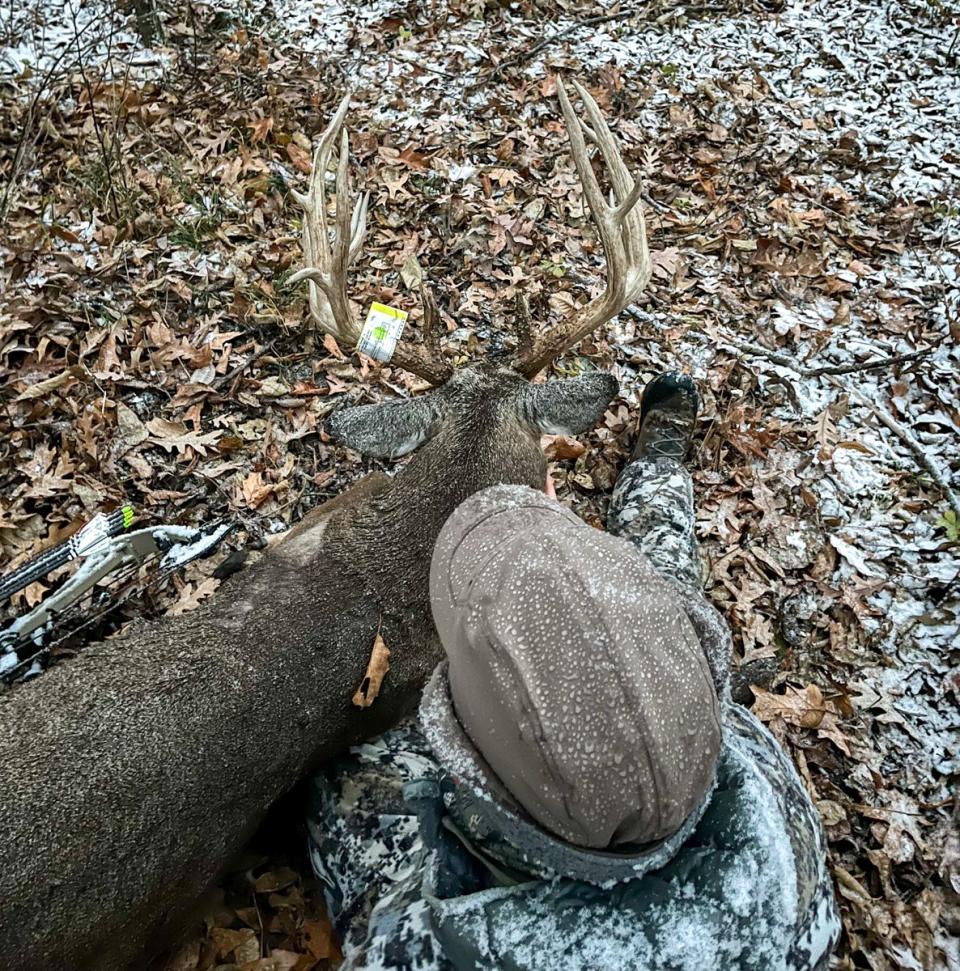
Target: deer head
x,y
485,404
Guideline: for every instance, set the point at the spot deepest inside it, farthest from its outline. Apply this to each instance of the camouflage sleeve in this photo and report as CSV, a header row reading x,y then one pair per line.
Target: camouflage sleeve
x,y
367,852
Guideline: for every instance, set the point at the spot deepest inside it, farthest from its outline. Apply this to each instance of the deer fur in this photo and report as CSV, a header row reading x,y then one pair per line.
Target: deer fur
x,y
130,774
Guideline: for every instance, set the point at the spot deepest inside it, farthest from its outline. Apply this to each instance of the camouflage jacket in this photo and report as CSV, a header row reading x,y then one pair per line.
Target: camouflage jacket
x,y
416,882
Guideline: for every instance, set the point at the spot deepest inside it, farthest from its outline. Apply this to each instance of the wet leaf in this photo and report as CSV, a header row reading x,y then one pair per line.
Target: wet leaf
x,y
377,668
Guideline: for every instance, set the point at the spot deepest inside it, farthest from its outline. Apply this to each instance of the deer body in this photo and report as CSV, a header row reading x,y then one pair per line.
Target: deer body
x,y
130,774
138,782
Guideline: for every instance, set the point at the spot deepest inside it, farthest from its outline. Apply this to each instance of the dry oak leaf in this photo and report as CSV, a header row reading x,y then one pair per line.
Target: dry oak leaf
x,y
560,447
274,880
241,943
299,157
319,936
805,709
260,128
278,960
175,435
377,668
131,430
44,387
193,594
256,490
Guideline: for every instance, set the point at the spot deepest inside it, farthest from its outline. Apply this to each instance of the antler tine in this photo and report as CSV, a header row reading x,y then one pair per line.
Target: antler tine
x,y
625,186
620,225
327,262
358,227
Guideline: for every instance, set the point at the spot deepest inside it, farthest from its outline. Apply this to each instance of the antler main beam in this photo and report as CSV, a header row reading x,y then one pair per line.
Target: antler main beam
x,y
621,228
327,260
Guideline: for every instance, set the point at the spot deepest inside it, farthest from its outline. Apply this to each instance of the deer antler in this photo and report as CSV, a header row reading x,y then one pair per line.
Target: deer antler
x,y
621,228
327,260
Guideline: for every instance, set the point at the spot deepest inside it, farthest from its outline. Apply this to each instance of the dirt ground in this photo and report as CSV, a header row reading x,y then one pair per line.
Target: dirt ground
x,y
800,164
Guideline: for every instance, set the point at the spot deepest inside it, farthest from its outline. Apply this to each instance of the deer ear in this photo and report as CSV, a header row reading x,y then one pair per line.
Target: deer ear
x,y
387,431
569,406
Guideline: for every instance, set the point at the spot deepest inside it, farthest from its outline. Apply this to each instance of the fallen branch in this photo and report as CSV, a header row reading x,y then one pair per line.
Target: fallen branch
x,y
758,350
525,56
884,417
908,439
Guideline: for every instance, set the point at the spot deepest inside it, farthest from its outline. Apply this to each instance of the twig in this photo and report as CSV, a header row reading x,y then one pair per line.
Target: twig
x,y
240,368
874,365
27,125
553,38
98,131
816,372
655,204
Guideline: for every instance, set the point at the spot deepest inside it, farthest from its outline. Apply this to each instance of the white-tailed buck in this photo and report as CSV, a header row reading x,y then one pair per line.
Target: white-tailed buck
x,y
130,774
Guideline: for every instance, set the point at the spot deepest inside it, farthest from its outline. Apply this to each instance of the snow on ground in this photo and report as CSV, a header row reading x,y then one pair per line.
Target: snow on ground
x,y
39,39
865,78
803,167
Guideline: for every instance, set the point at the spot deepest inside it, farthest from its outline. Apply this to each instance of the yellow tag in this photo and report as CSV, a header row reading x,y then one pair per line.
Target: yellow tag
x,y
381,332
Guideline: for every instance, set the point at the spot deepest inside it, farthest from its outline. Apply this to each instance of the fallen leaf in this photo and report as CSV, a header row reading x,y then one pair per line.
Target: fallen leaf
x,y
854,557
44,387
192,595
132,430
805,708
561,447
377,668
275,880
411,272
299,157
260,128
175,435
236,942
319,935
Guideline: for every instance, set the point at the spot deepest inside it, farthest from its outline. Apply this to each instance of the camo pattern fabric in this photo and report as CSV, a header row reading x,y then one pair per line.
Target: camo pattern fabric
x,y
749,888
408,892
652,507
367,851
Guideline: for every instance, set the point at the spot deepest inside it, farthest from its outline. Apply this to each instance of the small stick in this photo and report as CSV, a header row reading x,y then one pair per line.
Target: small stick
x,y
233,372
432,325
815,372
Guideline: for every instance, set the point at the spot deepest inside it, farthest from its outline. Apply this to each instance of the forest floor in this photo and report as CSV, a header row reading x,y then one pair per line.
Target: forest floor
x,y
801,163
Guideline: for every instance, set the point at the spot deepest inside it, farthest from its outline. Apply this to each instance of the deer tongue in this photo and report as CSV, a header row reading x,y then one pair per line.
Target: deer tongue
x,y
573,670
